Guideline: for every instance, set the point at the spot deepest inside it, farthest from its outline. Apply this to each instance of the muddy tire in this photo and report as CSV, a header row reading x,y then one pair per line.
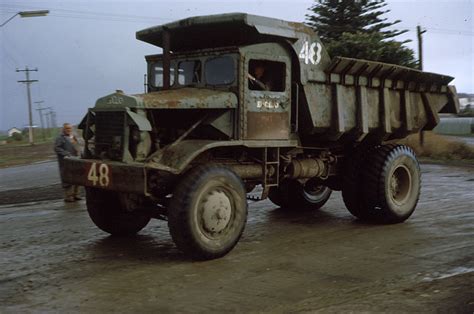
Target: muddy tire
x,y
352,182
109,215
393,184
208,212
279,195
293,195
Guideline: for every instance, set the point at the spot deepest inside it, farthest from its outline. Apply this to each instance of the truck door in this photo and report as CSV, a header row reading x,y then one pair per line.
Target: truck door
x,y
267,98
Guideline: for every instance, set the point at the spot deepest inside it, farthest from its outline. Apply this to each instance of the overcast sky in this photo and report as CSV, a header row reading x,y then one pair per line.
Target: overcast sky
x,y
87,49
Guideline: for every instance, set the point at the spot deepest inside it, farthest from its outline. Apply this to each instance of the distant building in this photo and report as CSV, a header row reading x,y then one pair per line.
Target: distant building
x,y
466,100
455,126
13,131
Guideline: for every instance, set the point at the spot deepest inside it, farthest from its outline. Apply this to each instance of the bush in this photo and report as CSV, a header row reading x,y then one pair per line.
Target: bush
x,y
439,147
467,112
17,137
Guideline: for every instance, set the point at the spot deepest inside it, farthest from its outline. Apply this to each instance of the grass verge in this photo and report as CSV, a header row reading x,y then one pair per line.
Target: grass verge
x,y
13,154
440,148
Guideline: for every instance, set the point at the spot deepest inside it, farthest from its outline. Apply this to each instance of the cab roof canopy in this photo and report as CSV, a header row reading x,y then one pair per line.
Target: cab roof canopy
x,y
223,30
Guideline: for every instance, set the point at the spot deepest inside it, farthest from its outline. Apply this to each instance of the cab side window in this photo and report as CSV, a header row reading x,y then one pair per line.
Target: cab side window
x,y
189,72
266,75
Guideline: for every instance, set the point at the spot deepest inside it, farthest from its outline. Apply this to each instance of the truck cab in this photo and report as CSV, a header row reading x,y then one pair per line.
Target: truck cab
x,y
267,110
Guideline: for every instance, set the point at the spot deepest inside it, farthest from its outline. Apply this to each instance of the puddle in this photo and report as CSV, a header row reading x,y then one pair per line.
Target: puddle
x,y
453,272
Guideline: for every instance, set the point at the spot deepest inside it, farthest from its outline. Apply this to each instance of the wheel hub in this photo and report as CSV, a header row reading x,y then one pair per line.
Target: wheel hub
x,y
217,210
394,185
400,185
313,192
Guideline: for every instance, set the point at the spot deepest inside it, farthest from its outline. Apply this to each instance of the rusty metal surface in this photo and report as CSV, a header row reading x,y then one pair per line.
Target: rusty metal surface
x,y
189,98
268,125
175,158
253,171
341,96
364,70
166,59
120,177
364,97
307,168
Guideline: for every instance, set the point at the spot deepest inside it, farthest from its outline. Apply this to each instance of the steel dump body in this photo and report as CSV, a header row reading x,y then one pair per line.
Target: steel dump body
x,y
361,97
339,99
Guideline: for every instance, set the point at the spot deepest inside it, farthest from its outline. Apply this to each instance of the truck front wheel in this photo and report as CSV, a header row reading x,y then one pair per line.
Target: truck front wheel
x,y
208,212
109,215
292,194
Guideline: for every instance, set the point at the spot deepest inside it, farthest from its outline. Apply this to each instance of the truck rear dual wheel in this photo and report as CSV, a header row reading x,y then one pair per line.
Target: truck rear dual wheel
x,y
208,212
109,215
388,188
293,195
352,183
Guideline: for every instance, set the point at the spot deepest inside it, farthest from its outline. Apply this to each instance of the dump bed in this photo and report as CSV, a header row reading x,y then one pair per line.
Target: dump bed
x,y
359,97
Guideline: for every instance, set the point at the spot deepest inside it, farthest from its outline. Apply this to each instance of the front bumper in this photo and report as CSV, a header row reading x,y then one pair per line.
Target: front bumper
x,y
114,176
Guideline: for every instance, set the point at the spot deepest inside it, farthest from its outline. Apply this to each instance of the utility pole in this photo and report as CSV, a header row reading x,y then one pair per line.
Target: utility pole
x,y
419,32
46,119
52,116
28,82
40,111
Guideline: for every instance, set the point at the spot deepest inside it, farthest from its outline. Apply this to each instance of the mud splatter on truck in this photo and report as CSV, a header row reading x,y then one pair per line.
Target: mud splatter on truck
x,y
238,100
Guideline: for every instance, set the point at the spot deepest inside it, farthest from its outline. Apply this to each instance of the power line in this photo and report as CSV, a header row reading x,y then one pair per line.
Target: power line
x,y
88,14
439,30
103,16
105,19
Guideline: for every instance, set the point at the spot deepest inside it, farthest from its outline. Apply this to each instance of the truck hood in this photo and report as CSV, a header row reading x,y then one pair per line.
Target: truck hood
x,y
184,98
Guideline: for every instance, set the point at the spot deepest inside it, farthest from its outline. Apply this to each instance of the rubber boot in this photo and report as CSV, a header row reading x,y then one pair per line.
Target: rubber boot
x,y
76,193
69,194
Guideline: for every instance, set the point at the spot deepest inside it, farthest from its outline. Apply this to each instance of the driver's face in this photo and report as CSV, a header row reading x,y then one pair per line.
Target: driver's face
x,y
259,71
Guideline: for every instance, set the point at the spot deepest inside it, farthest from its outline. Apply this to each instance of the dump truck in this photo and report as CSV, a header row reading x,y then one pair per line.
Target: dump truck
x,y
238,100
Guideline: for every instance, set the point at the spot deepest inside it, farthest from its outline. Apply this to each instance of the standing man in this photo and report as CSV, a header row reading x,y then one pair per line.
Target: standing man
x,y
65,146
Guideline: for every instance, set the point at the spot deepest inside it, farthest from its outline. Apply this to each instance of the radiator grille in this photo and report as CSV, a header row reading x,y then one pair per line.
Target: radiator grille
x,y
109,130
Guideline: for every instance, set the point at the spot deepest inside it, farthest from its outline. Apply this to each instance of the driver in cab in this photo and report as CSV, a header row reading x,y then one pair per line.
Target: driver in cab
x,y
258,80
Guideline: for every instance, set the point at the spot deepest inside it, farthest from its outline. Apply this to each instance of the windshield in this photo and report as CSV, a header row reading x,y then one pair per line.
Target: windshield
x,y
189,72
157,74
214,71
220,70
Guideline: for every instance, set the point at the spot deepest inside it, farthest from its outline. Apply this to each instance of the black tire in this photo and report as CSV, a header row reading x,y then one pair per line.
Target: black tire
x,y
208,212
109,215
352,183
393,183
279,195
292,194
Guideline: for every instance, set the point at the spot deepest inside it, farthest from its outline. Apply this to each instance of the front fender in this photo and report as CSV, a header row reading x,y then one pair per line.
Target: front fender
x,y
174,158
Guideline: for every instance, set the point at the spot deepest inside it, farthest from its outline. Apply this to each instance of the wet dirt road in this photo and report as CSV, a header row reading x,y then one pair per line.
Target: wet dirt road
x,y
53,259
